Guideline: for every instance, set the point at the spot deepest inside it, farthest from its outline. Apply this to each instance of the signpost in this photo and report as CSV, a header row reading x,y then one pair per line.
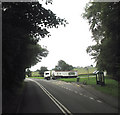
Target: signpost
x,y
87,71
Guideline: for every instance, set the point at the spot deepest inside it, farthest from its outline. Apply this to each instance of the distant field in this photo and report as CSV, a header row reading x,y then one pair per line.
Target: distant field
x,y
35,74
84,71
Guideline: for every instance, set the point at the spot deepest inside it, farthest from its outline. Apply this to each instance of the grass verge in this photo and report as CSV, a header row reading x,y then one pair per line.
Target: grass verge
x,y
37,77
110,88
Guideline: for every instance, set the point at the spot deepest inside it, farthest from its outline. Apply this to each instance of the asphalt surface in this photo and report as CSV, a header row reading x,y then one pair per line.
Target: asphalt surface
x,y
51,96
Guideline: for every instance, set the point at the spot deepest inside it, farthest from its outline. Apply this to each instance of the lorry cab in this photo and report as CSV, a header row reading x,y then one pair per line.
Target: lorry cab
x,y
47,75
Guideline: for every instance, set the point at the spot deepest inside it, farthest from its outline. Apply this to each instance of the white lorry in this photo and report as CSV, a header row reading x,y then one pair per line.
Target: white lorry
x,y
59,74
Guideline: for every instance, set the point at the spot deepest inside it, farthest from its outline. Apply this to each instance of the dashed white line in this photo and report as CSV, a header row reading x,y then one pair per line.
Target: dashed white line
x,y
80,93
99,101
75,91
91,98
85,95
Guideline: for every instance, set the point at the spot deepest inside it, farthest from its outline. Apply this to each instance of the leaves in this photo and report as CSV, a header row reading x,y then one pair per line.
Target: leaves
x,y
23,25
104,25
42,70
63,66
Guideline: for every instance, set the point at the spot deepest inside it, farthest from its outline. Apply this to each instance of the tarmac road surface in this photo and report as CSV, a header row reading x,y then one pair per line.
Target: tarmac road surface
x,y
52,96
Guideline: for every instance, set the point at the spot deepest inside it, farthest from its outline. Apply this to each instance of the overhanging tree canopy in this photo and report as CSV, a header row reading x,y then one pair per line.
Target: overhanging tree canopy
x,y
23,25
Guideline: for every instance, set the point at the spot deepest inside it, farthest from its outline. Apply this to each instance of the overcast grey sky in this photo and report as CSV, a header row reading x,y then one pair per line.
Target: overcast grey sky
x,y
68,43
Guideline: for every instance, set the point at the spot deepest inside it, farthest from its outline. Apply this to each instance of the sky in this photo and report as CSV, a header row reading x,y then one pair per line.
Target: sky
x,y
67,43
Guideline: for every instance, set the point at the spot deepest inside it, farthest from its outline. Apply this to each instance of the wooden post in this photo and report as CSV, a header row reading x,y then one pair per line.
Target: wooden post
x,y
96,78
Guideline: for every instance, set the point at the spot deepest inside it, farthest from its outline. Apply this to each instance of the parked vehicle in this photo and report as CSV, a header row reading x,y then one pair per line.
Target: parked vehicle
x,y
59,74
47,75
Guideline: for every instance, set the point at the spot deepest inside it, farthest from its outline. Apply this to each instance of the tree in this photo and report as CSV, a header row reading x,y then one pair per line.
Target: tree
x,y
23,25
63,66
42,70
104,25
28,73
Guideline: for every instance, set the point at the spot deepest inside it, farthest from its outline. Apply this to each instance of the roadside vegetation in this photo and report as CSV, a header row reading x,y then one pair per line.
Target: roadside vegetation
x,y
35,74
37,77
110,88
105,34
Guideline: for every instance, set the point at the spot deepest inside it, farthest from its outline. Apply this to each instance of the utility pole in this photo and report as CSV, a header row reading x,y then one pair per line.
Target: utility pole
x,y
87,71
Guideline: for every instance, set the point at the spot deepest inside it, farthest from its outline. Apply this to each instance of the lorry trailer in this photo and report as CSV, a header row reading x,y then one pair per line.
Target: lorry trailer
x,y
59,74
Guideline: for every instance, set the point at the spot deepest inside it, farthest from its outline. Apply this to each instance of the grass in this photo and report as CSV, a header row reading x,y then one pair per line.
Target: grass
x,y
81,79
84,71
68,79
110,88
35,74
37,77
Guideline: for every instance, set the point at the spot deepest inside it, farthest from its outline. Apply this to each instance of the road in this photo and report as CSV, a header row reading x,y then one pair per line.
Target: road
x,y
51,96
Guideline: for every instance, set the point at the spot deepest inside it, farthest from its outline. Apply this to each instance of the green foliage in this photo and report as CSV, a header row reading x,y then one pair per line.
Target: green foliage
x,y
35,74
63,66
104,25
23,25
37,77
42,70
28,73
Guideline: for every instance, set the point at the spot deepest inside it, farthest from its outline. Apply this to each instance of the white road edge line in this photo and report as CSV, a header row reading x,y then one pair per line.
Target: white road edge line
x,y
53,98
